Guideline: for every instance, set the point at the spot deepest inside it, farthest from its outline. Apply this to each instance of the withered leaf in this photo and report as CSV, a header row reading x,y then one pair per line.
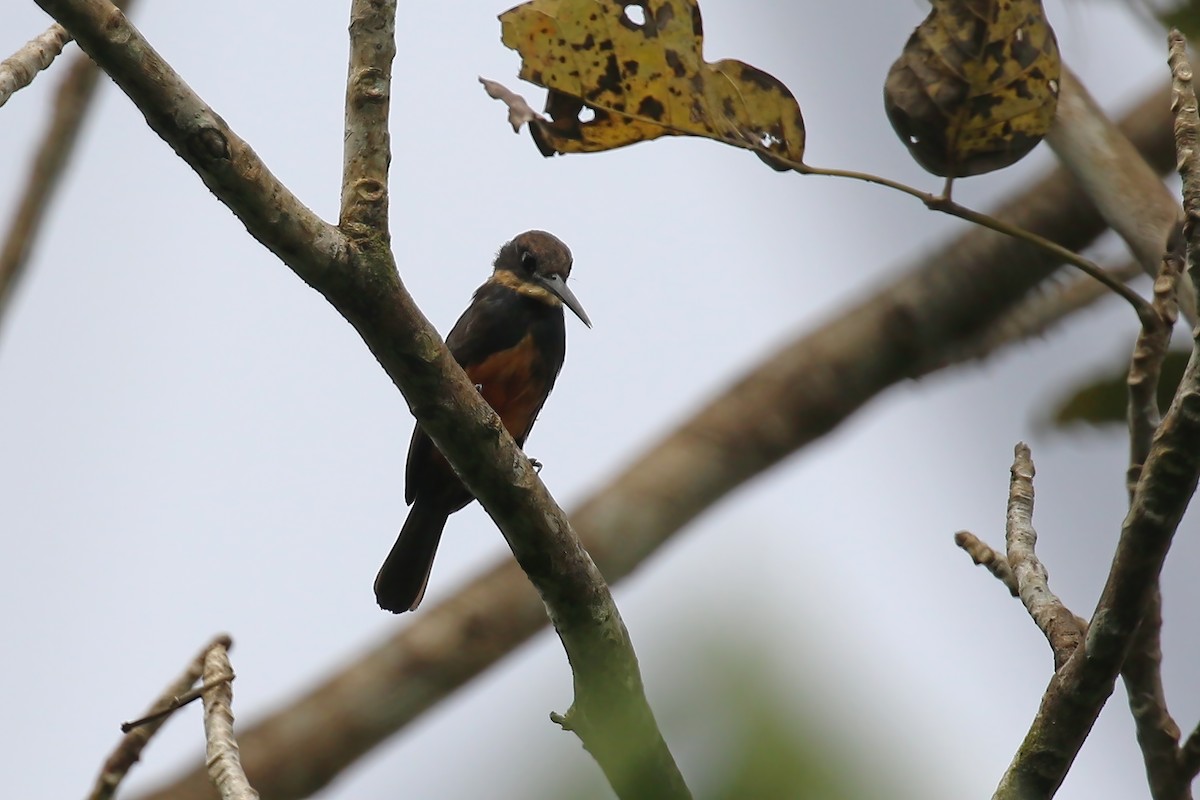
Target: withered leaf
x,y
639,68
976,86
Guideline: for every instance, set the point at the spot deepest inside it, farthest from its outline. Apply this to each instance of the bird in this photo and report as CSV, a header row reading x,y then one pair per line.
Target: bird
x,y
511,341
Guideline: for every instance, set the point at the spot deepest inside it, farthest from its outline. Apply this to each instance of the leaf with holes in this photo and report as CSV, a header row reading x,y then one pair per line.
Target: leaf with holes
x,y
638,68
976,86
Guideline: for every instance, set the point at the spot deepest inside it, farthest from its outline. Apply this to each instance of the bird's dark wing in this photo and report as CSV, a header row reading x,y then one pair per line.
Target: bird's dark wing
x,y
494,322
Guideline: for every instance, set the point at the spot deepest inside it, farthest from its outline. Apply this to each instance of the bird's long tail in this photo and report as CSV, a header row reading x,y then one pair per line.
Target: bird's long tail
x,y
401,582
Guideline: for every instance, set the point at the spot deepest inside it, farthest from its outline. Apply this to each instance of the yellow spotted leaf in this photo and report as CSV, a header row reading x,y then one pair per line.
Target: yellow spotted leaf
x,y
976,86
625,72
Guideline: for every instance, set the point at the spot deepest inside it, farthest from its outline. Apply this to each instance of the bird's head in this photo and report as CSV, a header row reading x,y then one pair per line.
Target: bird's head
x,y
537,264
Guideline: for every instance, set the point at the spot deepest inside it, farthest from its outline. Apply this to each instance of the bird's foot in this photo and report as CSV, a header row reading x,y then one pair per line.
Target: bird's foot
x,y
537,465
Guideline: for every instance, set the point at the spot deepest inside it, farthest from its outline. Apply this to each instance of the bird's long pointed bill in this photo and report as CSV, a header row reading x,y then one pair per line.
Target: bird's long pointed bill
x,y
557,285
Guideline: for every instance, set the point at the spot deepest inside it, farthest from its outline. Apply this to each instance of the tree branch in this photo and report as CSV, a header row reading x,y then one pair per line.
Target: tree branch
x,y
224,766
1051,616
18,70
992,560
1078,691
129,750
368,148
355,271
1157,733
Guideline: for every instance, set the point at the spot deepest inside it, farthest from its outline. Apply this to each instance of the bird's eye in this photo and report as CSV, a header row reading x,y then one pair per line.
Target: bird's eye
x,y
528,261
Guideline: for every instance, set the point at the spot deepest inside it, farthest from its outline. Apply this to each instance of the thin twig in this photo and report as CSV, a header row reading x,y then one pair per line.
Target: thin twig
x,y
129,750
985,556
18,70
224,762
176,703
1051,616
1157,732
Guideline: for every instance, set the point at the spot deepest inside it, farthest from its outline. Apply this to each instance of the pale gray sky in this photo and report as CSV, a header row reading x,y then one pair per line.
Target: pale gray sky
x,y
176,408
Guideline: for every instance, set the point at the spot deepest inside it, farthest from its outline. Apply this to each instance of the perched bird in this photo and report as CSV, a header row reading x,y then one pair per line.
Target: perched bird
x,y
511,342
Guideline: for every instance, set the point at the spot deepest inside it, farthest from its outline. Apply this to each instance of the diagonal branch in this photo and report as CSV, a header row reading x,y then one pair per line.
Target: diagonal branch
x,y
355,271
18,70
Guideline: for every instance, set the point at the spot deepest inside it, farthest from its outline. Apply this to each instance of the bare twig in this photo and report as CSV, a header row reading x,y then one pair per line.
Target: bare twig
x,y
18,70
129,750
1145,366
1051,616
1078,691
1127,191
994,561
177,703
224,763
783,403
70,108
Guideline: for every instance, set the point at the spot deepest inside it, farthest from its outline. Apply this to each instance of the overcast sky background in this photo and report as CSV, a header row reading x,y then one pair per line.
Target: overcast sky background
x,y
178,411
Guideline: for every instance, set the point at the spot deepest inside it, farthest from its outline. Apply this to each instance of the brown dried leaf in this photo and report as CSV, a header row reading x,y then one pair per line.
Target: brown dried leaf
x,y
976,86
639,67
519,110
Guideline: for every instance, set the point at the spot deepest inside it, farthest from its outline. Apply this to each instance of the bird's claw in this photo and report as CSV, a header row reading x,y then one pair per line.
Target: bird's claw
x,y
537,465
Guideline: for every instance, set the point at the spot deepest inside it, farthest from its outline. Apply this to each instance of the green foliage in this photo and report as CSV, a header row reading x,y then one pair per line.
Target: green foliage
x,y
1102,400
